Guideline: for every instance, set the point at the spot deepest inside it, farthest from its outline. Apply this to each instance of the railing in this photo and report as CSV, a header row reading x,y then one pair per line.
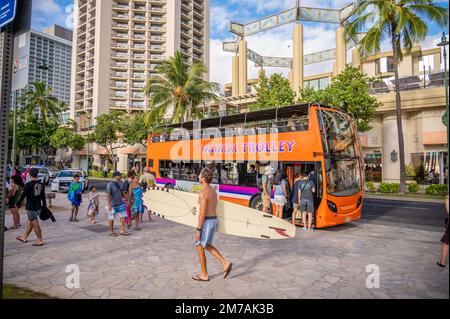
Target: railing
x,y
407,83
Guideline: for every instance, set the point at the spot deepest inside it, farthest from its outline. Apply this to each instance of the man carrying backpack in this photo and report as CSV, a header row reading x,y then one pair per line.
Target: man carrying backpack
x,y
266,187
34,192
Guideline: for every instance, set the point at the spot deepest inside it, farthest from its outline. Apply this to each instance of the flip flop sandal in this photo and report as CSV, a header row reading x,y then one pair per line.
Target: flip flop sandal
x,y
21,239
440,265
124,234
227,272
197,278
37,245
137,228
113,234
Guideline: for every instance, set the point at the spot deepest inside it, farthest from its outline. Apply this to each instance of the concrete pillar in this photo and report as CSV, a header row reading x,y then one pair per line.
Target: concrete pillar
x,y
261,73
235,76
391,170
242,67
340,50
356,58
297,61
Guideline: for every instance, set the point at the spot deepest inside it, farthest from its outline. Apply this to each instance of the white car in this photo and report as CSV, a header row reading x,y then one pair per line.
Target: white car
x,y
43,174
62,181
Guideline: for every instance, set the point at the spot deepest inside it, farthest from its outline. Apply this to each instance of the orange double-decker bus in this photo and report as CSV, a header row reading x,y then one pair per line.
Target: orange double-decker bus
x,y
312,138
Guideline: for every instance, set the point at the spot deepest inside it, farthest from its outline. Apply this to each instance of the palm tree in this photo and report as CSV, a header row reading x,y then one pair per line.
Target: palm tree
x,y
39,97
179,87
400,22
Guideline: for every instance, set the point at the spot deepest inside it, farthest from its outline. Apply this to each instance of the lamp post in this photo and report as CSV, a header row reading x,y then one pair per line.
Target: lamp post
x,y
444,43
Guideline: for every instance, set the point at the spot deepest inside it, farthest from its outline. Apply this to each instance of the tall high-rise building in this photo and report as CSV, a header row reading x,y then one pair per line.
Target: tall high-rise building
x,y
118,44
47,59
42,57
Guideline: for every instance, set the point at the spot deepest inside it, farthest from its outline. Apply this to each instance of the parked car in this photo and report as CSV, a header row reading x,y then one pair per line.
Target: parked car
x,y
53,171
62,181
43,174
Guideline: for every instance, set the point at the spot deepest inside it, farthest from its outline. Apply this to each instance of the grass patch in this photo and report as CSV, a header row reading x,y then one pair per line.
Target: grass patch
x,y
14,292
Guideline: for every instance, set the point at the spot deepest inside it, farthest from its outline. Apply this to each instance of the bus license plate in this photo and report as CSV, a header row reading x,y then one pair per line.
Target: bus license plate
x,y
347,220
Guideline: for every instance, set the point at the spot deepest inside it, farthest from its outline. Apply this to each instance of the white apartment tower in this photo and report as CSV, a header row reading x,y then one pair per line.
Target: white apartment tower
x,y
119,43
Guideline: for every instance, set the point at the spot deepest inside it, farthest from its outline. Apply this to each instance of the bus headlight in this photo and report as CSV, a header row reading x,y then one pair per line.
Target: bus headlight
x,y
332,206
359,202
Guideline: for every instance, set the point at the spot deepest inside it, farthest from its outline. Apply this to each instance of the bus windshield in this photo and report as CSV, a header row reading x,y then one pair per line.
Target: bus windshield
x,y
343,169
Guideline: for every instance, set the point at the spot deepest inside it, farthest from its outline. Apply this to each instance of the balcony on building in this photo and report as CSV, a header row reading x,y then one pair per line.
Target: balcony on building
x,y
120,16
157,38
154,28
139,17
121,6
157,19
119,84
120,25
138,26
140,36
157,10
139,65
138,85
120,65
121,55
139,56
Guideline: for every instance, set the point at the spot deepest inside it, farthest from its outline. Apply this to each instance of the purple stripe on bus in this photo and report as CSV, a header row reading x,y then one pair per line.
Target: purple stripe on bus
x,y
238,189
166,181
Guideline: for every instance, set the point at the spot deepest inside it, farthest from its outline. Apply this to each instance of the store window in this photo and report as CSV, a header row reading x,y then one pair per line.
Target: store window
x,y
383,65
426,63
373,167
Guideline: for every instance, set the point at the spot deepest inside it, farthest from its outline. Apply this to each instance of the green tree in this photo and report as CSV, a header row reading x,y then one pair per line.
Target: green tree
x,y
107,133
400,22
348,91
65,138
135,129
178,88
32,133
39,97
272,92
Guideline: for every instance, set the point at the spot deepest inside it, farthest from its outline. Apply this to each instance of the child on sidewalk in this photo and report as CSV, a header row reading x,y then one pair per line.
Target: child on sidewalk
x,y
93,204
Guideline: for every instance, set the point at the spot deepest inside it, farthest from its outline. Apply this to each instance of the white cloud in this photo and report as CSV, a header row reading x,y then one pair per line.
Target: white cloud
x,y
47,7
221,17
47,12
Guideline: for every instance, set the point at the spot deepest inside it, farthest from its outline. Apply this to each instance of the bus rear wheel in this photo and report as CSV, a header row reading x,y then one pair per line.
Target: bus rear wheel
x,y
257,203
169,186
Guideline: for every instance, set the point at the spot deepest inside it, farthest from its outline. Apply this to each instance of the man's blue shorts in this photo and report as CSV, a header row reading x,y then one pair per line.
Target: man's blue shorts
x,y
208,229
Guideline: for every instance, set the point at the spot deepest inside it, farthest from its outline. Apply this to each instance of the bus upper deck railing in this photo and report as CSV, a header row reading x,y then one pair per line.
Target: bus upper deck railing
x,y
227,132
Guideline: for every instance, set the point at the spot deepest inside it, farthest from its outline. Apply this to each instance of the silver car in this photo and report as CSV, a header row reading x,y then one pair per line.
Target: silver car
x,y
62,181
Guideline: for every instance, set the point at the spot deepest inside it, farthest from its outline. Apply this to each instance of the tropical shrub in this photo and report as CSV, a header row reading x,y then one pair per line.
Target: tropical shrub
x,y
389,187
370,186
413,188
436,189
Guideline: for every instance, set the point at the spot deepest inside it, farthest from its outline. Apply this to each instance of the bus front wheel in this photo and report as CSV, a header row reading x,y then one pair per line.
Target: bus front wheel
x,y
257,203
169,186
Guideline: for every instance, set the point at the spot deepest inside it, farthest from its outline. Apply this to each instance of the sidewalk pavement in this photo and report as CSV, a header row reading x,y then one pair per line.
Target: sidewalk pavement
x,y
159,261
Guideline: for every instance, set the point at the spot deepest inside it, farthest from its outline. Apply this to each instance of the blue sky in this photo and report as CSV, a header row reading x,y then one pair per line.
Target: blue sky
x,y
276,42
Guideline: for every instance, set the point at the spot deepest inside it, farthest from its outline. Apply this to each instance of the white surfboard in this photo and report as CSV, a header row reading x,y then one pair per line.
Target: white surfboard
x,y
233,219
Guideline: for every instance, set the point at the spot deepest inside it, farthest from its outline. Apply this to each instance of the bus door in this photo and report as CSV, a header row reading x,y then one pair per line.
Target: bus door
x,y
291,169
318,181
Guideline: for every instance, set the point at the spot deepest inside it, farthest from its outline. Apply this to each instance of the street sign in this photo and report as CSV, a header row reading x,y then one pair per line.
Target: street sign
x,y
8,10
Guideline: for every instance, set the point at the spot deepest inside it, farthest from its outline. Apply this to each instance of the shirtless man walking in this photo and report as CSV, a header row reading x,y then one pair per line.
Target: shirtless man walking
x,y
207,226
